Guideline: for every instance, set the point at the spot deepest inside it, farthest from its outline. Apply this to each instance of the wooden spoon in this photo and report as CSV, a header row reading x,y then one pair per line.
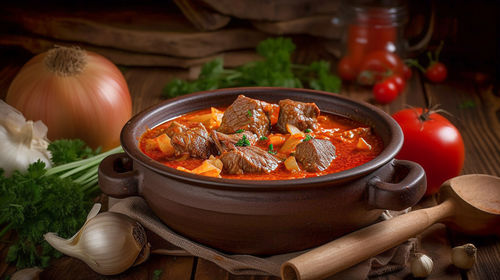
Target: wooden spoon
x,y
469,203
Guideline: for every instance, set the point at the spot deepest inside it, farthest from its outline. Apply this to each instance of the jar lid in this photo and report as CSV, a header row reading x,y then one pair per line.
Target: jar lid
x,y
375,12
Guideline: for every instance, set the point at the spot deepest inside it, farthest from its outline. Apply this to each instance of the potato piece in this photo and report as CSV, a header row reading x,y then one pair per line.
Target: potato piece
x,y
206,168
211,120
292,129
216,117
291,143
363,145
291,164
161,143
164,144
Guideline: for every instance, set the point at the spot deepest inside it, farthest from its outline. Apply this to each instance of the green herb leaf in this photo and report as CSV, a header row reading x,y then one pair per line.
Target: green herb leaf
x,y
308,137
38,204
243,142
307,130
64,151
275,70
240,130
271,150
249,113
263,138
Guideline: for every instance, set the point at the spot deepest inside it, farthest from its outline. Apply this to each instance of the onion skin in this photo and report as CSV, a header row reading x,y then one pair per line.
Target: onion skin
x,y
92,105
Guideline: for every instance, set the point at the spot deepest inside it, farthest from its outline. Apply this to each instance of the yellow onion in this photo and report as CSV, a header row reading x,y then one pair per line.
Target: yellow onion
x,y
76,93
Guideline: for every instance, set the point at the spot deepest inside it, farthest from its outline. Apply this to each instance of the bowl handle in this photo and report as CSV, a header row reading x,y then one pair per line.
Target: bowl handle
x,y
116,176
404,192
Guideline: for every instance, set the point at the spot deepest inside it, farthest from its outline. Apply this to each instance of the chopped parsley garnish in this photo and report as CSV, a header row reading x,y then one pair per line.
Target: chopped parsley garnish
x,y
263,138
249,113
240,130
271,150
308,137
243,142
307,130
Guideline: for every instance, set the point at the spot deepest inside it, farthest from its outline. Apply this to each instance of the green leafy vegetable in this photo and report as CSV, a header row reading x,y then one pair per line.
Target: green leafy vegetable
x,y
240,130
263,138
275,70
249,113
307,130
64,151
243,142
33,204
42,200
308,137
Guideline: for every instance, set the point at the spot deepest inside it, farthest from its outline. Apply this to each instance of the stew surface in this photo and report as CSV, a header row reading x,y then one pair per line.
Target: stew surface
x,y
255,140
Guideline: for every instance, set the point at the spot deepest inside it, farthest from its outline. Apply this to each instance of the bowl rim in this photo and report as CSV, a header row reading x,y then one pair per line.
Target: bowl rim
x,y
130,145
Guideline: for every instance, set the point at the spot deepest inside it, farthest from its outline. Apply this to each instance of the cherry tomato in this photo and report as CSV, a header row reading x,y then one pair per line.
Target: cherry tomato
x,y
436,72
346,69
399,81
433,142
407,72
376,64
385,92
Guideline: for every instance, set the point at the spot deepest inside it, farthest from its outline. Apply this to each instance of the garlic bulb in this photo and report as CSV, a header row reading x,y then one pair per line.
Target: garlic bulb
x,y
21,142
464,256
421,265
109,243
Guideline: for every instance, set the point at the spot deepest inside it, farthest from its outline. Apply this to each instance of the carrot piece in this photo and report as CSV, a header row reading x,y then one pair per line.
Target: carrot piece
x,y
276,139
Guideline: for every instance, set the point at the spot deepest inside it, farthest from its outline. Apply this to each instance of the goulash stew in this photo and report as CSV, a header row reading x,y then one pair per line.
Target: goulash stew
x,y
256,140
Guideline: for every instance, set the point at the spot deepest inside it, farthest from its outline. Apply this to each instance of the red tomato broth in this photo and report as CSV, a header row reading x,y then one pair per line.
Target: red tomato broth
x,y
347,155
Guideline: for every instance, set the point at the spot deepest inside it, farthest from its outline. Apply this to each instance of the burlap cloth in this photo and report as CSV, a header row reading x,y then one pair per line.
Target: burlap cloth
x,y
392,260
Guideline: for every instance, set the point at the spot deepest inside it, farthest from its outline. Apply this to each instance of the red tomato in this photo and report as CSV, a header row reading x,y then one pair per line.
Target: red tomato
x,y
346,69
385,92
407,71
433,142
436,72
377,63
399,81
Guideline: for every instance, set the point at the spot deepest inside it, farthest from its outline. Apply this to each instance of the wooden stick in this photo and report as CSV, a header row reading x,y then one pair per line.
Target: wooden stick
x,y
358,246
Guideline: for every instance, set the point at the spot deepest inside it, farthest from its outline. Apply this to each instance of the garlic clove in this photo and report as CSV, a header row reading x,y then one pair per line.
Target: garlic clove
x,y
109,243
421,265
464,256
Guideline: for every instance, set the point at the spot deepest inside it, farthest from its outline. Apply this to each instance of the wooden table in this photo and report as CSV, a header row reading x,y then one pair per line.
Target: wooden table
x,y
476,112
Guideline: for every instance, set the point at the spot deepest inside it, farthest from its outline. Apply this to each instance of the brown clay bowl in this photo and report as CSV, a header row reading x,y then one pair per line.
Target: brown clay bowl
x,y
265,217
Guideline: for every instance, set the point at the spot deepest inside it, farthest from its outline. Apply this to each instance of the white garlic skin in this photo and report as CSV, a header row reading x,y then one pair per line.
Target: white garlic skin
x,y
464,256
109,243
421,265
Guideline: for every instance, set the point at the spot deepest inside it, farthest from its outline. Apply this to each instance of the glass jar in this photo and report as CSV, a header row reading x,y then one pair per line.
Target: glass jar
x,y
373,42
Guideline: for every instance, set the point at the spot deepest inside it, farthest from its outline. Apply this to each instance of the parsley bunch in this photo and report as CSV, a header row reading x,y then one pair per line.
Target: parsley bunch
x,y
42,200
275,70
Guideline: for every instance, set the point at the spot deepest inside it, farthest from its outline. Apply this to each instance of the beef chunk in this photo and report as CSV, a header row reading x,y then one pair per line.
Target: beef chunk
x,y
247,114
302,115
315,154
249,159
227,142
194,141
